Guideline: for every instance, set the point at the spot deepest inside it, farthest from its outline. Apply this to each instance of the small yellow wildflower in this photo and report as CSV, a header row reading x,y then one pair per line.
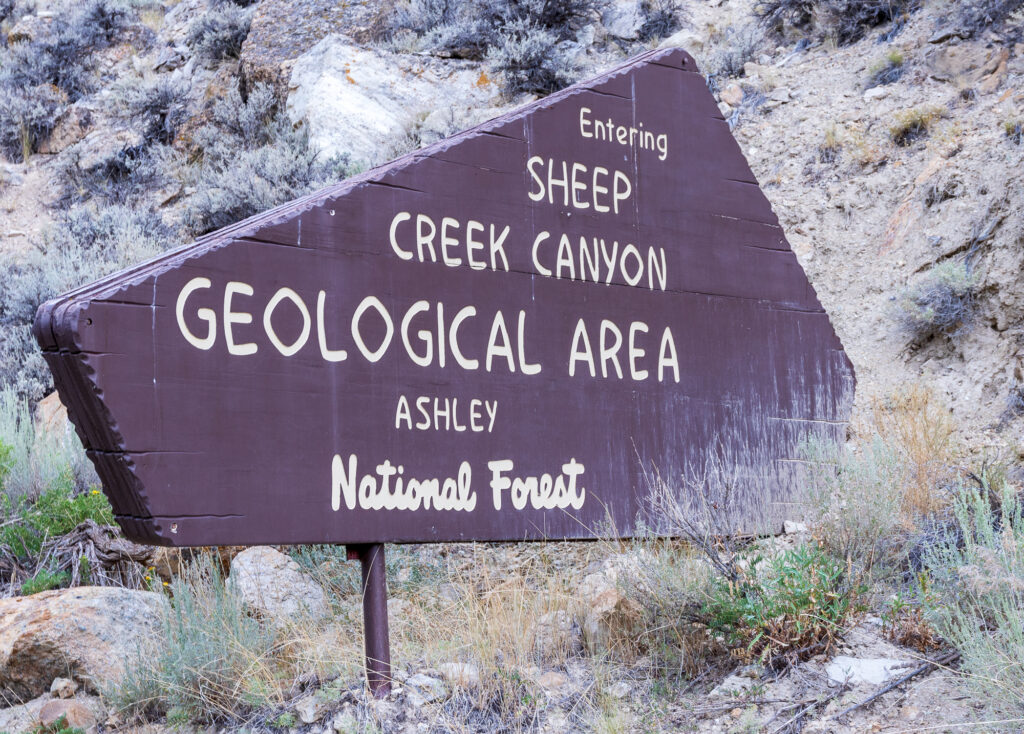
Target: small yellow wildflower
x,y
95,491
166,584
147,578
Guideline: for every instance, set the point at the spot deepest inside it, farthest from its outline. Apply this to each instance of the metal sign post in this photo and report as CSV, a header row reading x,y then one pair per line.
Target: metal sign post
x,y
375,616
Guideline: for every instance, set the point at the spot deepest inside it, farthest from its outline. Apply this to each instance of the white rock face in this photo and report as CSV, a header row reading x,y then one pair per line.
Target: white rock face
x,y
873,671
357,101
272,584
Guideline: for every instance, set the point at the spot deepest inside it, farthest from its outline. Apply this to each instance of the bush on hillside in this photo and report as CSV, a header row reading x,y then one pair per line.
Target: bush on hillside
x,y
731,50
160,104
530,61
661,18
27,117
520,37
219,33
886,71
942,303
253,159
845,20
125,176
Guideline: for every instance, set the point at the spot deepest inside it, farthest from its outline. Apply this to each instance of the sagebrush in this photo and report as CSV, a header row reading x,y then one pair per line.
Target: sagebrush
x,y
253,159
942,302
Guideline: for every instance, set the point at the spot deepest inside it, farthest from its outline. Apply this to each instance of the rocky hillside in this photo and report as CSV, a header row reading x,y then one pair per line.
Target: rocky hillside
x,y
889,137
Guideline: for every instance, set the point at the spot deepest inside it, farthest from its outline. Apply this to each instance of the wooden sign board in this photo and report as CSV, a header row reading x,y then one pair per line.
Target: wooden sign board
x,y
499,337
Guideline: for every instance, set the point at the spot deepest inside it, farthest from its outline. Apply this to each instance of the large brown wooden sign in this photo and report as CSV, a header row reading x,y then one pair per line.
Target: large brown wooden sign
x,y
500,337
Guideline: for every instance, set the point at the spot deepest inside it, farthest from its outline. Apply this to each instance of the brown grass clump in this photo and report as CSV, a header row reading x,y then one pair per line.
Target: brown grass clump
x,y
913,124
922,431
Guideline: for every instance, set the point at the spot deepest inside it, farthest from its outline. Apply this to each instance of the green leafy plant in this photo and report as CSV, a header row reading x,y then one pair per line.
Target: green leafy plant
x,y
55,512
44,580
783,609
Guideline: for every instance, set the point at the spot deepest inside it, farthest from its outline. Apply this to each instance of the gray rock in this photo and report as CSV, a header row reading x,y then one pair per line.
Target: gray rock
x,y
273,585
422,688
856,671
170,58
791,527
732,686
623,20
356,101
686,39
310,709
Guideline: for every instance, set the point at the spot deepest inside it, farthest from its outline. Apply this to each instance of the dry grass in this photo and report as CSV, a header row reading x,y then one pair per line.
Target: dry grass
x,y
913,124
922,431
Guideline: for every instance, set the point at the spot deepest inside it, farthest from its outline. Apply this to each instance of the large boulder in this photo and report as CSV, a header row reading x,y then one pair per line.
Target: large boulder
x,y
87,633
273,586
357,101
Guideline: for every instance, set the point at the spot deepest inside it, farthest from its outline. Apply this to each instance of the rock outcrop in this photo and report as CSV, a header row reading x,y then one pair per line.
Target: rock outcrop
x,y
273,586
356,101
87,634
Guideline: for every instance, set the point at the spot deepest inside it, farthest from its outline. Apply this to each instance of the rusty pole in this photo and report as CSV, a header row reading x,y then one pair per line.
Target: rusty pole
x,y
375,616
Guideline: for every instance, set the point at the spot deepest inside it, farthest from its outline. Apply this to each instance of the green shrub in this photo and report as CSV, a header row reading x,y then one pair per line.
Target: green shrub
x,y
58,510
785,609
978,574
44,580
213,661
941,303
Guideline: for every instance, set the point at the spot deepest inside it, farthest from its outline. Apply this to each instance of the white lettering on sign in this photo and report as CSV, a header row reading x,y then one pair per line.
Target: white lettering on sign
x,y
444,414
610,342
206,314
542,493
388,489
629,135
580,180
598,260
